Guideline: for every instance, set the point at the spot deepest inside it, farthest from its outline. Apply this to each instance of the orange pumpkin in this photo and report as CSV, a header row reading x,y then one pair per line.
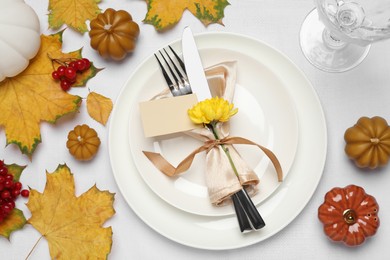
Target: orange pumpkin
x,y
349,215
113,34
83,142
368,142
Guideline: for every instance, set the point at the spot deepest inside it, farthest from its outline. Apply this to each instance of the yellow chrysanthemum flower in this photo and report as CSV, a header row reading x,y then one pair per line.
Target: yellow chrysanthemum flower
x,y
212,110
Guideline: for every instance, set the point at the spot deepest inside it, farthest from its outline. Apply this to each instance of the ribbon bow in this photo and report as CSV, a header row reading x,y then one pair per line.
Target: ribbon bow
x,y
168,169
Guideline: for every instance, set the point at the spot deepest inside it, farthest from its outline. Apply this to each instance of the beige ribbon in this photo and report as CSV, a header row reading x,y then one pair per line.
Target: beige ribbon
x,y
168,169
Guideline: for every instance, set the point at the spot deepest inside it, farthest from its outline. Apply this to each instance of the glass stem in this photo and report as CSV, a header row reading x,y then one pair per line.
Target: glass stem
x,y
212,126
331,41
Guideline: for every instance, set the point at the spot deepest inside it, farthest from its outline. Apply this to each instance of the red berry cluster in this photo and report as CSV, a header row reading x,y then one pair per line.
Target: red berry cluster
x,y
9,191
66,73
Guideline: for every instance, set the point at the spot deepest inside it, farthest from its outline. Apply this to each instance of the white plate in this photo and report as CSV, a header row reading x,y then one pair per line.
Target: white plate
x,y
266,116
278,210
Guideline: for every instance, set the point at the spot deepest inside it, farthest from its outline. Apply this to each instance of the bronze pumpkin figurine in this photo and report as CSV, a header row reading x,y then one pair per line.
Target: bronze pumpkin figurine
x,y
349,215
113,34
83,142
368,142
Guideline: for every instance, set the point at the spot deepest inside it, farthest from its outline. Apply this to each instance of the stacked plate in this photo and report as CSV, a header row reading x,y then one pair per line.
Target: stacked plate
x,y
278,108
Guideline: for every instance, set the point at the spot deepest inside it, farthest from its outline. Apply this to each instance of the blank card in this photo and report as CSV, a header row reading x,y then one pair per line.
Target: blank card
x,y
167,115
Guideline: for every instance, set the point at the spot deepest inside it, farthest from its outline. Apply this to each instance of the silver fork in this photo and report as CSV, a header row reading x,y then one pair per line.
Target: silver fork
x,y
176,78
180,86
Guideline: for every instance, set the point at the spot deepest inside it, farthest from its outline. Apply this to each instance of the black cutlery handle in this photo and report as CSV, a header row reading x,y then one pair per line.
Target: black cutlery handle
x,y
243,220
250,209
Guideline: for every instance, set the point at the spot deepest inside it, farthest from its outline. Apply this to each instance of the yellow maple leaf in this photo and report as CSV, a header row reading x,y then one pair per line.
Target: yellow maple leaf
x,y
73,13
163,14
72,225
99,107
33,96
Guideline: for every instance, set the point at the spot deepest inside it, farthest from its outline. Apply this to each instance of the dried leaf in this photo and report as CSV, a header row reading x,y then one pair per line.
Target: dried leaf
x,y
73,13
163,14
99,107
70,224
16,219
33,96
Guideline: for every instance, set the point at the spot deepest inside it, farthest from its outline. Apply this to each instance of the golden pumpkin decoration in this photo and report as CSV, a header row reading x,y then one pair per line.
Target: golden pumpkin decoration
x,y
113,34
349,215
368,142
83,142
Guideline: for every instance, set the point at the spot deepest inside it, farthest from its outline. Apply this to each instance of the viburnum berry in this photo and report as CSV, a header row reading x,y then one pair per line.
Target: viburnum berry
x,y
25,193
55,75
6,209
3,170
11,204
18,186
61,70
8,184
87,63
5,194
70,73
65,85
80,65
73,64
15,193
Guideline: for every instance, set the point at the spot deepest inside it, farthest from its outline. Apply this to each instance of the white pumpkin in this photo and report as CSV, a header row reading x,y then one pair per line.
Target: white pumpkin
x,y
19,37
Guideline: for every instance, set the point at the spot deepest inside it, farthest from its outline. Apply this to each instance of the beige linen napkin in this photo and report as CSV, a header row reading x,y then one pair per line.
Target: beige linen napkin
x,y
220,178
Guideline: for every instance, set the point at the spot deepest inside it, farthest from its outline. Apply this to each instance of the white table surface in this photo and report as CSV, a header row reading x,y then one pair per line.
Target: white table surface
x,y
363,91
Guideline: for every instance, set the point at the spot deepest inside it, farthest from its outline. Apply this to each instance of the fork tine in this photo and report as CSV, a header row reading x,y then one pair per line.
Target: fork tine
x,y
174,65
176,78
183,84
165,74
169,67
178,59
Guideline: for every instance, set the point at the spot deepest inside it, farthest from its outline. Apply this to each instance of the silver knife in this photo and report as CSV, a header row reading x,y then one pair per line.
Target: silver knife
x,y
247,215
194,67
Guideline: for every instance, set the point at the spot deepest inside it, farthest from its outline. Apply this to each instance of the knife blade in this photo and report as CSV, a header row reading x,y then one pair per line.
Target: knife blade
x,y
247,215
194,67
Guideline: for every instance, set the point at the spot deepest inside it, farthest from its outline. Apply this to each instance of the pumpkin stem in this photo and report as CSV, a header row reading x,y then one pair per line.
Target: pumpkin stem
x,y
80,139
349,216
375,140
107,27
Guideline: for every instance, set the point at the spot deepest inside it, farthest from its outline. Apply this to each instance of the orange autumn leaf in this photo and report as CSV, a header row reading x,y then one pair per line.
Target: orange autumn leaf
x,y
73,13
16,219
33,96
163,14
99,107
72,225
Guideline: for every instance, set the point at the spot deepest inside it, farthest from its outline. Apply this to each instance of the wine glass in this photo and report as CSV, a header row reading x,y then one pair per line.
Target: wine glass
x,y
337,35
